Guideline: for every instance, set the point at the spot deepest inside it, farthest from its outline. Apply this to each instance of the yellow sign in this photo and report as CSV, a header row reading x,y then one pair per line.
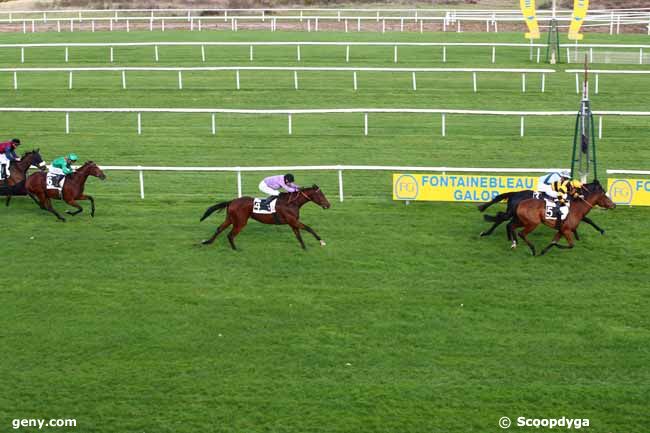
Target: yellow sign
x,y
634,192
579,14
528,9
457,187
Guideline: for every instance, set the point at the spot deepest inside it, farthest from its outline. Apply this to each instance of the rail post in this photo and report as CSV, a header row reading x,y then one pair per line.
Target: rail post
x,y
141,176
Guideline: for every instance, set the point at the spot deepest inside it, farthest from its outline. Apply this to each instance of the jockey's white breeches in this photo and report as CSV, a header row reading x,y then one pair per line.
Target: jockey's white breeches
x,y
3,159
547,189
55,171
267,189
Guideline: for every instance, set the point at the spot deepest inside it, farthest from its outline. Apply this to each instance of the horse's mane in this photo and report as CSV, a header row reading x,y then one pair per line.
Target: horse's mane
x,y
306,188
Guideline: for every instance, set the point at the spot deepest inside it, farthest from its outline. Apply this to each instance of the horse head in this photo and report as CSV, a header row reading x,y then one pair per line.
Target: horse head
x,y
316,195
596,194
34,158
92,169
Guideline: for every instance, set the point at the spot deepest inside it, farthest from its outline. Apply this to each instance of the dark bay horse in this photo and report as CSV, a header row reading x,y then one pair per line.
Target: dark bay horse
x,y
531,212
287,208
73,189
513,199
15,183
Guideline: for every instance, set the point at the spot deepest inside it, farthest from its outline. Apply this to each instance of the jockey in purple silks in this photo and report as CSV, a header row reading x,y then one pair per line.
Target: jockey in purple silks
x,y
272,184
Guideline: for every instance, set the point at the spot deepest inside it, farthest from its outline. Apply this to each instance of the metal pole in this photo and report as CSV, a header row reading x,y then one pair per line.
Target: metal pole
x,y
239,188
365,123
295,79
155,50
444,126
203,53
214,124
70,80
237,78
67,123
112,56
354,79
415,86
395,55
180,80
123,79
139,123
474,80
521,128
523,83
290,125
600,126
15,80
341,185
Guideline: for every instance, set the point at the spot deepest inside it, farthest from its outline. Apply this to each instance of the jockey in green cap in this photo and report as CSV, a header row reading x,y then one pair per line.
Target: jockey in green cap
x,y
60,168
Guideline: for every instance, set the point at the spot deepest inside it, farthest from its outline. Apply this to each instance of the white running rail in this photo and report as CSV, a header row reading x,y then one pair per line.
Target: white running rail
x,y
291,112
339,168
294,69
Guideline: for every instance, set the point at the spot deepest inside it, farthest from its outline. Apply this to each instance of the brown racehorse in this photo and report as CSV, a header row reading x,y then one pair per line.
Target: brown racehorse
x,y
73,189
15,184
287,209
530,213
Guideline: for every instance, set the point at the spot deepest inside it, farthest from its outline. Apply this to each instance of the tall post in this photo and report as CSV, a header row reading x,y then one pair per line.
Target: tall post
x,y
583,162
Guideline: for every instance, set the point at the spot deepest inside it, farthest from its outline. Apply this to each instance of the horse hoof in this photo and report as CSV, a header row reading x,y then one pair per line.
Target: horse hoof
x,y
602,232
481,234
322,243
205,242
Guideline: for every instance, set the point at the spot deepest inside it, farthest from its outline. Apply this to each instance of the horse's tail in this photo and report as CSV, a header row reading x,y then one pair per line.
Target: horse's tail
x,y
497,199
216,208
500,216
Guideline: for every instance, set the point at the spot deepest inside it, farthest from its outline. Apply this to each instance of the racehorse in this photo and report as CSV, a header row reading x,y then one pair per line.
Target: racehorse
x,y
513,199
73,189
15,183
531,212
287,208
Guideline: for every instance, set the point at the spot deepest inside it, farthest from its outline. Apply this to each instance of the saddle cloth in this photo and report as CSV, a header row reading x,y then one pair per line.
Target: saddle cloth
x,y
259,208
550,209
49,182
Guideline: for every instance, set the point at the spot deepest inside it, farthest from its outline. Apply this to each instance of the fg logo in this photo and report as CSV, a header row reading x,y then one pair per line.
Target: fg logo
x,y
621,192
406,187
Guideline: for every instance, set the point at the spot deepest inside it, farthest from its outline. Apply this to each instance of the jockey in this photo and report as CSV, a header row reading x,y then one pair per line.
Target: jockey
x,y
545,183
61,167
272,184
8,154
561,189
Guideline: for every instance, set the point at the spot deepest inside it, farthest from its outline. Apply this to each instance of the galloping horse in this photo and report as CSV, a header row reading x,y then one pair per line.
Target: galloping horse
x,y
15,183
73,189
531,212
287,207
514,198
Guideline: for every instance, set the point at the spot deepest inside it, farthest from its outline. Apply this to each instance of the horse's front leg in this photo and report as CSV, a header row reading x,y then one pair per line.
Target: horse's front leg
x,y
593,224
92,203
310,230
553,243
568,234
8,200
75,205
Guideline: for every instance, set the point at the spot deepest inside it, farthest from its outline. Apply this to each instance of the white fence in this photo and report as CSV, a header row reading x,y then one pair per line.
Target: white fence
x,y
338,168
598,72
579,49
450,19
237,69
291,112
641,172
297,45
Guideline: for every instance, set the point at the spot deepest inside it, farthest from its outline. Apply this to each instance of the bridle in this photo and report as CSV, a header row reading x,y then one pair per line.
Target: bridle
x,y
292,199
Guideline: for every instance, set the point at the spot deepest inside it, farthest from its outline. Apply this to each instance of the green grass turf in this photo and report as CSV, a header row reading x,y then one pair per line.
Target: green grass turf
x,y
404,322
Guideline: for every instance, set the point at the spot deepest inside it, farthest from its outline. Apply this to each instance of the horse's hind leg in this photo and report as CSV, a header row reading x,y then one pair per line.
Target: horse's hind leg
x,y
524,235
49,207
8,200
237,227
510,230
221,228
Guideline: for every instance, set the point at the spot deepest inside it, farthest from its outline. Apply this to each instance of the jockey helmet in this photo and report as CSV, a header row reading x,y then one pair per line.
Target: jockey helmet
x,y
576,184
16,141
73,157
565,173
288,178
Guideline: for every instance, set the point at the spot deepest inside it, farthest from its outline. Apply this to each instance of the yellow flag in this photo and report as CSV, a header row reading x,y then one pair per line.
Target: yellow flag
x,y
528,9
579,14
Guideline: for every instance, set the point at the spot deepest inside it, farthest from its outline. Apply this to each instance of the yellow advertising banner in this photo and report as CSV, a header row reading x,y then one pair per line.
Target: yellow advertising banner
x,y
634,192
579,14
457,187
528,9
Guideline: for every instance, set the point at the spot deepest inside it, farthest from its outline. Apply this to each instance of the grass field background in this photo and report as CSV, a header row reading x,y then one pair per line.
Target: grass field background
x,y
404,322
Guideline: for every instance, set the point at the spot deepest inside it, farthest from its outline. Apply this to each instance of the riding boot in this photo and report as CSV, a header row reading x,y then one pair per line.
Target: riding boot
x,y
3,171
